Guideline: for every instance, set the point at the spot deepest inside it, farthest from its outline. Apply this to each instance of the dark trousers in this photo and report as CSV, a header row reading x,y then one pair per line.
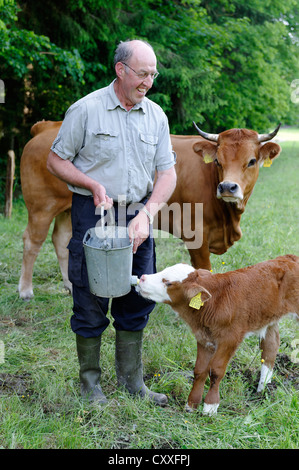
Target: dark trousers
x,y
130,312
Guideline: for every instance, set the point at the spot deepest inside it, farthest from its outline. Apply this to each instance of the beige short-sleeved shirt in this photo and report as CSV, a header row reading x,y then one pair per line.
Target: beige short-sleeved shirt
x,y
118,148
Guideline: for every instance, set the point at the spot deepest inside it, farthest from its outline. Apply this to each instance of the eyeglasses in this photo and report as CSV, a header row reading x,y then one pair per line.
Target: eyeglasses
x,y
143,75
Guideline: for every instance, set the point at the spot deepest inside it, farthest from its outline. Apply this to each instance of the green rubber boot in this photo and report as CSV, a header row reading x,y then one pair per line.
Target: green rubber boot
x,y
128,365
88,350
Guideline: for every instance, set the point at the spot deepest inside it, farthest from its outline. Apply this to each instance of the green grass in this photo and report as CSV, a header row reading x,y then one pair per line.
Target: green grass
x,y
40,405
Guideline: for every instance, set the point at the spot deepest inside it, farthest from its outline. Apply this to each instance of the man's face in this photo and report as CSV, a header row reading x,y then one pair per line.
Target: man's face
x,y
132,86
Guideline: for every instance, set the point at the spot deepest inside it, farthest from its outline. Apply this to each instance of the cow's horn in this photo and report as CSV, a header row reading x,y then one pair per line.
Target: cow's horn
x,y
265,137
212,137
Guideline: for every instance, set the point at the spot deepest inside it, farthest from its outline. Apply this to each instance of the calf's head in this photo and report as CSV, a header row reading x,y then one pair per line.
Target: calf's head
x,y
237,154
175,285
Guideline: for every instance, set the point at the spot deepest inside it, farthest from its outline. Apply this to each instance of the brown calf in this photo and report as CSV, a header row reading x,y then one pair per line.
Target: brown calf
x,y
222,309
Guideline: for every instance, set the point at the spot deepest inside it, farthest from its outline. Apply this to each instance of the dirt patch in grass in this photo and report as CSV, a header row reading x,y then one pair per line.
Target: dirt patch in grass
x,y
15,384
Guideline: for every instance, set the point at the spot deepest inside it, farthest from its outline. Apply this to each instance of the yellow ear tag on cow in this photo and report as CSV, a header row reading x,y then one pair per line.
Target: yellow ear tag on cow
x,y
267,162
207,158
196,302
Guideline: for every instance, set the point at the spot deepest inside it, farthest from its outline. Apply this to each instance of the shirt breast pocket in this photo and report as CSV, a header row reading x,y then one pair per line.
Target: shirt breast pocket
x,y
106,144
148,145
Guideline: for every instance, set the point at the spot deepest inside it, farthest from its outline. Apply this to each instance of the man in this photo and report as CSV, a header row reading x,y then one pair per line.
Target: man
x,y
108,149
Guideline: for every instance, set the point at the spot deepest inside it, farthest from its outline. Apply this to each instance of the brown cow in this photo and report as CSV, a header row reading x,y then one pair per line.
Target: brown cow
x,y
221,309
223,189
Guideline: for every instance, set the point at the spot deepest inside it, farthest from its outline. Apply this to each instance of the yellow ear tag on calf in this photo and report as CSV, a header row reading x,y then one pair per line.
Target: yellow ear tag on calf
x,y
196,302
267,162
207,158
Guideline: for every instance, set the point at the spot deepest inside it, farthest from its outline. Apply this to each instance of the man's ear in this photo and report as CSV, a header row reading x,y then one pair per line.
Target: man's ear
x,y
268,152
119,69
207,150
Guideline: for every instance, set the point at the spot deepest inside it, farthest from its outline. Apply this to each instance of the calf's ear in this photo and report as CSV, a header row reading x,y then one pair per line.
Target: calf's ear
x,y
268,152
197,296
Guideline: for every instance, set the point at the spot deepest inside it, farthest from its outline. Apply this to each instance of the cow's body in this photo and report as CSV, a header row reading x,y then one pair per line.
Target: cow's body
x,y
223,189
229,307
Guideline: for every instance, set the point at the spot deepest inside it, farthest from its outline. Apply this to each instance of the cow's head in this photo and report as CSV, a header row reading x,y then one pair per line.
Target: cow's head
x,y
237,154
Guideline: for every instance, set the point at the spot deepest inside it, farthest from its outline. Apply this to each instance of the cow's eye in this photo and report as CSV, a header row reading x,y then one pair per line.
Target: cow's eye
x,y
252,162
216,162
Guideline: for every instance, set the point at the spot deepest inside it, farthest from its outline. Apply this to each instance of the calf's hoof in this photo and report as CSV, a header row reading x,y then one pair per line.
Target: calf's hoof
x,y
210,410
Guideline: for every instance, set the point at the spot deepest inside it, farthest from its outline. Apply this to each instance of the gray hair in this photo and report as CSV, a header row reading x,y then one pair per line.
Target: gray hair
x,y
124,50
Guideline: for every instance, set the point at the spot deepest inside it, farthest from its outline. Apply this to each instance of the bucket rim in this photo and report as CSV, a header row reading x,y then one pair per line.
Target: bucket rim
x,y
93,230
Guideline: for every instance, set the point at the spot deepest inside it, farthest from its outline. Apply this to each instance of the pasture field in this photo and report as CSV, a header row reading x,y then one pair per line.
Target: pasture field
x,y
40,405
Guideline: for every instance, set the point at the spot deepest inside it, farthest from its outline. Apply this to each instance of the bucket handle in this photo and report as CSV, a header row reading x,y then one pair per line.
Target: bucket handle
x,y
102,217
86,236
110,215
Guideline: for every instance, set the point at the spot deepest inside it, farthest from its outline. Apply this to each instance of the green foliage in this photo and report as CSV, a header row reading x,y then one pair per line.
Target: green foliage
x,y
36,66
40,80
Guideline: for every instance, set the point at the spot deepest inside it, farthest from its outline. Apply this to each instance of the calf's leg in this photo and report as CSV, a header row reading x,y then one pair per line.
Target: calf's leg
x,y
269,346
201,371
217,368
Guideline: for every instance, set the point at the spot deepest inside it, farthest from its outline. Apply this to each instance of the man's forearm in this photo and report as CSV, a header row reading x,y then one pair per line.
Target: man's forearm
x,y
163,189
67,172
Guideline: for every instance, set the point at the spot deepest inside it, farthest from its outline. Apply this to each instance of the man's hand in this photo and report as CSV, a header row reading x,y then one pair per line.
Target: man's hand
x,y
100,197
138,229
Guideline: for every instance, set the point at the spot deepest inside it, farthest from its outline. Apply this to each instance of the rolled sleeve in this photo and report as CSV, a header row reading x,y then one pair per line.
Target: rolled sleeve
x,y
71,136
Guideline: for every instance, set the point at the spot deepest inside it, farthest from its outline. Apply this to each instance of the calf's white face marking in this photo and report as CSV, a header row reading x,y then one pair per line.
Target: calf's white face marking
x,y
153,286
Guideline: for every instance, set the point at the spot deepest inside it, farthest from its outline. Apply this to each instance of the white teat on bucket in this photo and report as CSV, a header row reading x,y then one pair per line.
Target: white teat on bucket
x,y
109,259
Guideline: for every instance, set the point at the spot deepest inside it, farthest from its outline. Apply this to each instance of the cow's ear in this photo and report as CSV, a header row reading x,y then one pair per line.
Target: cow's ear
x,y
197,296
207,150
268,152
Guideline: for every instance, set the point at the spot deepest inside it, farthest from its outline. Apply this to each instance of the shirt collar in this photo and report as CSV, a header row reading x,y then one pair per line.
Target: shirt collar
x,y
113,101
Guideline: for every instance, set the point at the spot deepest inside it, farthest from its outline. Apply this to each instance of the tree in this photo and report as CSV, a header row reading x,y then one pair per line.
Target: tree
x,y
222,63
259,59
37,75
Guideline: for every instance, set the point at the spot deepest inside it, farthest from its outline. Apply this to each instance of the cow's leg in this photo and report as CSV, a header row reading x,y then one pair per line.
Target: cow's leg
x,y
217,370
61,235
200,256
269,346
33,238
201,371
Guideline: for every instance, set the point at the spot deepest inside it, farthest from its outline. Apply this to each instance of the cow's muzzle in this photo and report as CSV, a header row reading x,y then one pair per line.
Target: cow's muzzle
x,y
229,191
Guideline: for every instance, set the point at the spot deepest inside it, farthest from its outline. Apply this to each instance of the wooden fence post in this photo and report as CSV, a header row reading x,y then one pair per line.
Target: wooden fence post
x,y
10,175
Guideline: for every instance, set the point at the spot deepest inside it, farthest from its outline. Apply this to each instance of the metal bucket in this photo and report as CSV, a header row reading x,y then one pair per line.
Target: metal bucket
x,y
109,258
